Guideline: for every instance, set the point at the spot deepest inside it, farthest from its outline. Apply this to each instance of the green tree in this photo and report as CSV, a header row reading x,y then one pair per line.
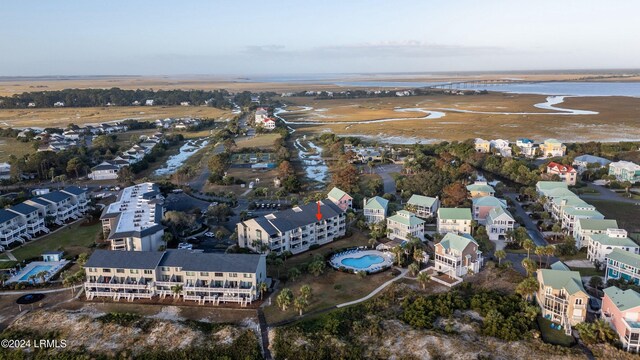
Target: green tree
x,y
300,303
414,268
294,273
500,254
284,299
529,266
528,245
306,292
527,287
317,267
423,278
596,332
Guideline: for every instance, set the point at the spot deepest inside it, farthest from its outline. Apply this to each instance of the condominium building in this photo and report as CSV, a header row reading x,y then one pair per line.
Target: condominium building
x,y
480,189
423,206
375,209
621,309
562,297
61,206
625,171
566,173
343,200
456,255
192,275
552,148
11,229
501,146
134,221
455,220
29,215
403,225
294,229
623,265
599,246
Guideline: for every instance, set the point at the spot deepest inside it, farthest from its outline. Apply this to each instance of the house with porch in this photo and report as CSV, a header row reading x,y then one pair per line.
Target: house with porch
x,y
403,225
526,146
625,171
501,147
480,189
483,205
586,227
499,222
343,200
566,173
482,146
599,246
375,209
423,206
584,162
562,297
623,265
552,148
621,310
456,255
454,220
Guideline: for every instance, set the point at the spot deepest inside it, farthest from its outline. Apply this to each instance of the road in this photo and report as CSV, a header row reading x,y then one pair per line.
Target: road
x,y
606,194
531,227
388,181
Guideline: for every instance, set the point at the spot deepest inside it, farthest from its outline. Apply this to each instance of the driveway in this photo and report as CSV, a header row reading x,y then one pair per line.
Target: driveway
x,y
531,227
388,182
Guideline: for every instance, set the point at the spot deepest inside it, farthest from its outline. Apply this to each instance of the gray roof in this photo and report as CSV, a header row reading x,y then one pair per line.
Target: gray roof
x,y
104,167
291,219
198,261
124,259
7,215
74,190
55,196
23,208
40,201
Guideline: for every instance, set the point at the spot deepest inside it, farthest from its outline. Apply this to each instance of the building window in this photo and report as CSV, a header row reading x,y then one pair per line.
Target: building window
x,y
247,275
133,271
106,270
190,273
204,273
120,271
219,274
578,301
148,272
233,275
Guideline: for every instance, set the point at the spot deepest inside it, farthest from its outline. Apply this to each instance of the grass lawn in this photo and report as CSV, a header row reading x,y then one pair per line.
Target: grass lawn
x,y
74,240
626,214
125,138
264,141
552,336
11,146
588,271
331,288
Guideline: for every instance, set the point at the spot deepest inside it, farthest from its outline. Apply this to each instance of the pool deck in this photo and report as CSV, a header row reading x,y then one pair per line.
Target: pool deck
x,y
55,267
336,260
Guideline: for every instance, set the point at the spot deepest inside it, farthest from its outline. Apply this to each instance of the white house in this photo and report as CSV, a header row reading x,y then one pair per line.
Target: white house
x,y
455,220
499,222
104,171
583,162
501,146
526,146
599,246
375,209
423,206
625,171
405,224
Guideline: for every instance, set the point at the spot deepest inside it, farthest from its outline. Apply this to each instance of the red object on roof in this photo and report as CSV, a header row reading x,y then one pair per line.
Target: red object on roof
x,y
554,166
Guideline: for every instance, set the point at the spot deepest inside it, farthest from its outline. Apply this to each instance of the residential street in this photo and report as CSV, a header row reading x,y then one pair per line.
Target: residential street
x,y
606,194
531,227
387,180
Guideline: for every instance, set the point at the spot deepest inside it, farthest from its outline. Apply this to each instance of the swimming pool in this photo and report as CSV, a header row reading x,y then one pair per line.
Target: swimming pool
x,y
362,262
35,271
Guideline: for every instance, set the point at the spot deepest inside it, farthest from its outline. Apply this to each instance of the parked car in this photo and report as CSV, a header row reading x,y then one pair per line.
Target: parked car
x,y
185,246
209,234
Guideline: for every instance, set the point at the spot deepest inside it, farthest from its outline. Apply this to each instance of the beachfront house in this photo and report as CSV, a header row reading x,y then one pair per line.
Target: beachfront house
x,y
501,147
480,188
566,173
625,171
499,222
423,206
456,255
552,148
294,230
586,227
621,309
623,265
599,246
483,205
404,225
562,297
201,277
375,209
343,200
454,220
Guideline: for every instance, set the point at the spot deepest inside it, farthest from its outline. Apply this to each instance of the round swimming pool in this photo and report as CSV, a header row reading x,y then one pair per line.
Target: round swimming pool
x,y
362,262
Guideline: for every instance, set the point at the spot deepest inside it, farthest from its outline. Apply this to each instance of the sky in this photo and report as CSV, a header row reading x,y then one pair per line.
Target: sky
x,y
249,37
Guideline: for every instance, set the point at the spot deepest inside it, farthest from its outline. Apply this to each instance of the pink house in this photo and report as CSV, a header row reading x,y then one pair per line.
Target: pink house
x,y
343,200
483,205
621,309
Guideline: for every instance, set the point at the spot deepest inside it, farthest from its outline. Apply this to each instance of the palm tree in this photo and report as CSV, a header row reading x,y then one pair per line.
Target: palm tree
x,y
423,279
373,242
362,274
82,259
293,273
306,292
300,303
263,288
414,269
528,245
286,254
278,262
397,251
556,228
176,290
529,266
418,256
540,250
527,287
4,277
285,298
500,254
42,275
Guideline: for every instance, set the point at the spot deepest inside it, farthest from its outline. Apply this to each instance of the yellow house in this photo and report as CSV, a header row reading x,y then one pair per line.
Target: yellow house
x,y
561,296
552,148
482,146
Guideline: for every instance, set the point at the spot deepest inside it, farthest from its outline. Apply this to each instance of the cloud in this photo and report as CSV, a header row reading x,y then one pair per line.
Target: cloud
x,y
404,49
